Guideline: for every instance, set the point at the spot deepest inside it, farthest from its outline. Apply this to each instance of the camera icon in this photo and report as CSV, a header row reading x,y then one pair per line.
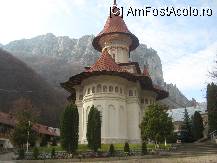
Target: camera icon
x,y
116,11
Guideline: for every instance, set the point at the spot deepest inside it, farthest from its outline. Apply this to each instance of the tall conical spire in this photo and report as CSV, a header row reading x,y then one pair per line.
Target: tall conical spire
x,y
115,25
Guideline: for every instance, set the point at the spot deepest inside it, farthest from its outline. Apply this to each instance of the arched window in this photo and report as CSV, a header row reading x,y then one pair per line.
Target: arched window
x,y
99,88
104,88
121,90
88,91
113,55
93,89
116,89
110,88
146,101
80,97
130,93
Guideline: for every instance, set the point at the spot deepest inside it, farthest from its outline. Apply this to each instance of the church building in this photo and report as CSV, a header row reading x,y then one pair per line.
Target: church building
x,y
114,85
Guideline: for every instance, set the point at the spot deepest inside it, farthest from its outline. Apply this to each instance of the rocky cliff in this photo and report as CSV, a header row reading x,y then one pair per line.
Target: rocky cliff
x,y
57,58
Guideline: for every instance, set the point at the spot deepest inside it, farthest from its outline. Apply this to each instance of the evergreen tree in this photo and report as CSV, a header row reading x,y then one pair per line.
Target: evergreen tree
x,y
127,148
69,128
94,129
156,125
144,148
197,126
212,106
187,126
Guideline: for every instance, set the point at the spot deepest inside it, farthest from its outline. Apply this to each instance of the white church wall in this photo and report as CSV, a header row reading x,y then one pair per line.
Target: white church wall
x,y
133,120
119,102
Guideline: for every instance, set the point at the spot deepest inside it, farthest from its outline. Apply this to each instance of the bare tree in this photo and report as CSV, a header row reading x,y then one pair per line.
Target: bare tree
x,y
23,105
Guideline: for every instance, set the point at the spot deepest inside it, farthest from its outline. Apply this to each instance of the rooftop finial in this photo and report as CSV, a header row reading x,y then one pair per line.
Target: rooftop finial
x,y
115,3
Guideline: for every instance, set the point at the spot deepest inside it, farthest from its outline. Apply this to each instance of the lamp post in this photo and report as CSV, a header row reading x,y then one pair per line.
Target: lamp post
x,y
27,143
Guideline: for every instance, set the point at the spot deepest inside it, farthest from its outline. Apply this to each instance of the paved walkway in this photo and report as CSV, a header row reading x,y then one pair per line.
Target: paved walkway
x,y
6,157
194,149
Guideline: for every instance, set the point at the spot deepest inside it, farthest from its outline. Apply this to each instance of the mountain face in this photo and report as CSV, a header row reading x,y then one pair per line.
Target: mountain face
x,y
20,81
58,58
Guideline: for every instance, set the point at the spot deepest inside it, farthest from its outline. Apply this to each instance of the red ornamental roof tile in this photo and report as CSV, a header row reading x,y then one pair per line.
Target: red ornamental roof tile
x,y
145,72
115,24
105,63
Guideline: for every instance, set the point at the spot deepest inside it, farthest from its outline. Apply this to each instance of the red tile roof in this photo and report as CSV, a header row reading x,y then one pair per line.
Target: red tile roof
x,y
7,119
115,24
42,129
105,63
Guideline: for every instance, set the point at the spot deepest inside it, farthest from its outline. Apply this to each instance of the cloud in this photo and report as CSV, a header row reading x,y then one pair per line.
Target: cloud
x,y
187,47
191,71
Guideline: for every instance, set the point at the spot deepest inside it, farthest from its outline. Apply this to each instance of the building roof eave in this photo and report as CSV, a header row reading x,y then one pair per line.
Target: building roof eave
x,y
145,81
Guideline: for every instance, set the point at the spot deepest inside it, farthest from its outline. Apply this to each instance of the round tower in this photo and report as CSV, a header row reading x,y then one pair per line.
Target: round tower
x,y
116,39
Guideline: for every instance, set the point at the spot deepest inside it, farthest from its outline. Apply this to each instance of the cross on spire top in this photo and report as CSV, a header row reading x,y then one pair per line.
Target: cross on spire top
x,y
115,3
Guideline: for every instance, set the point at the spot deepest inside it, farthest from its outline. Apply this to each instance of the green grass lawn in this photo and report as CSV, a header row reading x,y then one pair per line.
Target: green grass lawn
x,y
105,147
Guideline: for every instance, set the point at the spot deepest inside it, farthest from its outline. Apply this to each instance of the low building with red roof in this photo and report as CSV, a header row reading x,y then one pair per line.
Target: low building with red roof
x,y
8,122
116,86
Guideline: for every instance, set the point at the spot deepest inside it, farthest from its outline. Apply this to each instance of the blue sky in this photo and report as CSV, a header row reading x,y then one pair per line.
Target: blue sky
x,y
187,45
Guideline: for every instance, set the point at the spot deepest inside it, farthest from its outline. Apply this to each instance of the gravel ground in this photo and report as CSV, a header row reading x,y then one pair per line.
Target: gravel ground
x,y
186,153
197,159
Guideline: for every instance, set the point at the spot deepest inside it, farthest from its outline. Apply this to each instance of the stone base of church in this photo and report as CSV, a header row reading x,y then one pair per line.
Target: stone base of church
x,y
114,141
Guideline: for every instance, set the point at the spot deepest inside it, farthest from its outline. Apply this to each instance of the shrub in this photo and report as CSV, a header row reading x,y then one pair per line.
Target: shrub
x,y
172,138
144,148
35,153
53,153
127,148
111,150
21,154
